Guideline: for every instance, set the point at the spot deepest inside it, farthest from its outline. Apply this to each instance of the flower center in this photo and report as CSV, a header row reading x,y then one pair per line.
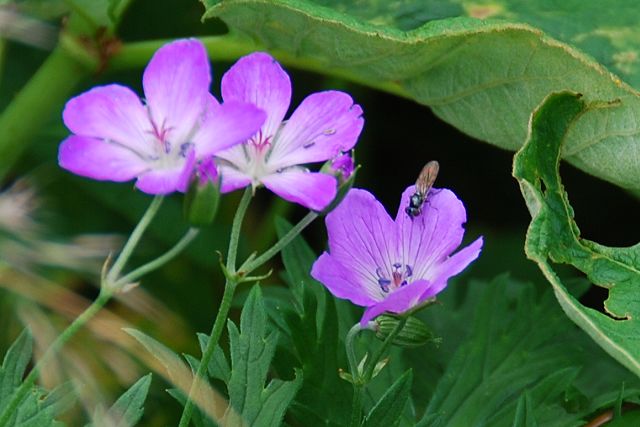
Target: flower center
x,y
167,153
399,277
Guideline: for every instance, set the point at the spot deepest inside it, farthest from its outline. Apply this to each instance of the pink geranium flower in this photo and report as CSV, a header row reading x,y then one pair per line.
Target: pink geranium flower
x,y
324,125
179,127
393,266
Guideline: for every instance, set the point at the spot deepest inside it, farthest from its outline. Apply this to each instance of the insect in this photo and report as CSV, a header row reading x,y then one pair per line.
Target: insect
x,y
424,183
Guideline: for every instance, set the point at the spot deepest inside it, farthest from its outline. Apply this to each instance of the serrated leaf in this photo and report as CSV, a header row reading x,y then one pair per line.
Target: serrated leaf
x,y
129,408
219,366
252,350
389,408
483,76
553,235
14,365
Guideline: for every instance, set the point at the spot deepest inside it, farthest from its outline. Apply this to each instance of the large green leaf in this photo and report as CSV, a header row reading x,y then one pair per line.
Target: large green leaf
x,y
483,76
128,409
553,236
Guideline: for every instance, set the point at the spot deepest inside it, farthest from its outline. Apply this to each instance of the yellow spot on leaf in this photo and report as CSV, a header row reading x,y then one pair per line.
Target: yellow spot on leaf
x,y
483,11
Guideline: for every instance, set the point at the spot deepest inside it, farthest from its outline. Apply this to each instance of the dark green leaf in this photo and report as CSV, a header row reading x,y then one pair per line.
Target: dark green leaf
x,y
219,366
14,365
389,408
553,236
524,413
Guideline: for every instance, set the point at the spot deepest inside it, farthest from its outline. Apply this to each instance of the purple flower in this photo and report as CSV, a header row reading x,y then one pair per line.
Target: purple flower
x,y
117,137
393,266
323,125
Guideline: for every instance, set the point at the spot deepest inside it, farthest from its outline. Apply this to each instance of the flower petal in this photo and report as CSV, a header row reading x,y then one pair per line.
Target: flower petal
x,y
231,123
176,86
169,180
399,301
259,79
310,189
110,112
98,159
433,235
453,265
344,283
232,179
362,239
324,124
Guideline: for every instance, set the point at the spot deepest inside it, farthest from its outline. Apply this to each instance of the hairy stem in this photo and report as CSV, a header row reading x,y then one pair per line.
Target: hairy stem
x,y
227,297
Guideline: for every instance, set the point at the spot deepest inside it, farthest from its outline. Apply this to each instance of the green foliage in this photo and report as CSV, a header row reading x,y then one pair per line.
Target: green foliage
x,y
521,343
252,349
39,408
388,409
128,409
482,76
553,236
312,332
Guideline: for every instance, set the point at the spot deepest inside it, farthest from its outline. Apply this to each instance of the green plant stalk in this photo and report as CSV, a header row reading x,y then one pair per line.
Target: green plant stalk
x,y
160,261
227,298
132,242
230,47
249,266
79,322
360,382
34,105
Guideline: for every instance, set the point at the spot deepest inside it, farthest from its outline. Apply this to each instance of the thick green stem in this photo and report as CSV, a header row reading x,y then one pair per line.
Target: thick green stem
x,y
230,47
71,330
132,242
249,266
160,261
360,382
225,305
33,106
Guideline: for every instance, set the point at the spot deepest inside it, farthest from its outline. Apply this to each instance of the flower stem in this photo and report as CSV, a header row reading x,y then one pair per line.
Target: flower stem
x,y
27,384
227,297
249,266
360,382
160,261
132,242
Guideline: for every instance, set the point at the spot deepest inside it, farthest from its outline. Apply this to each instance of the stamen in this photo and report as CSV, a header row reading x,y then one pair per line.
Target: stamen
x,y
329,131
309,144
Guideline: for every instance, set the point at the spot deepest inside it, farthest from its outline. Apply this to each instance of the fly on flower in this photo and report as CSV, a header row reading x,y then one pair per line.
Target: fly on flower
x,y
425,181
117,137
392,265
324,125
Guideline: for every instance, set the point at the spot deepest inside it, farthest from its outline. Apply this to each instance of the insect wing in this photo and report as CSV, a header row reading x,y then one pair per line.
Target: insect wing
x,y
427,177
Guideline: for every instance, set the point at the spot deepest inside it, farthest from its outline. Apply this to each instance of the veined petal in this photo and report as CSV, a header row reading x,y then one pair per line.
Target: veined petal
x,y
432,236
113,113
343,282
169,180
98,159
232,179
362,239
399,301
176,86
453,265
231,123
258,79
324,124
313,190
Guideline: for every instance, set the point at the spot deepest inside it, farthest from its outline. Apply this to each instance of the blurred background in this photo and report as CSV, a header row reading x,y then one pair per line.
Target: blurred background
x,y
57,228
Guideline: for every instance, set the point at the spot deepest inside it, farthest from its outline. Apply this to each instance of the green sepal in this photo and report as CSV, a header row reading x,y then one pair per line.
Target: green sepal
x,y
201,202
414,333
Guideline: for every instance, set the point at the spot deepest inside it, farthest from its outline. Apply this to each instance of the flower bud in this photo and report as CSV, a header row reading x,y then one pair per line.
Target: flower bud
x,y
203,195
414,333
342,167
